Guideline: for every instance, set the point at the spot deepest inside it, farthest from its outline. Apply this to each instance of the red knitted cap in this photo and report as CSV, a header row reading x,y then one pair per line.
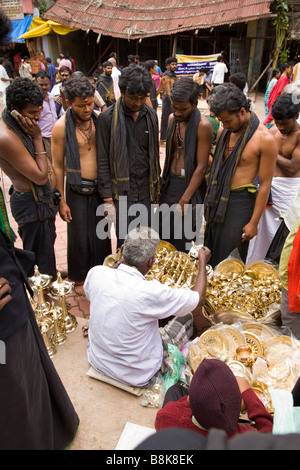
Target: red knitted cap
x,y
215,397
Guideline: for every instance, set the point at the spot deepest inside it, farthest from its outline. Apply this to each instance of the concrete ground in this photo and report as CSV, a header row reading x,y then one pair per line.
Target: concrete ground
x,y
103,409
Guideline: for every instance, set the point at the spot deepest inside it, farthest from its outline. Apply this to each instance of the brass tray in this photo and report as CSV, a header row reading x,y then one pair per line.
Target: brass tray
x,y
278,348
254,342
262,270
229,315
263,332
214,343
230,266
235,336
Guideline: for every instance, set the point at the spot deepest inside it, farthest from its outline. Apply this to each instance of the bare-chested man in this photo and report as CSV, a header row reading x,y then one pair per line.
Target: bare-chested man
x,y
188,146
245,149
74,151
286,178
24,160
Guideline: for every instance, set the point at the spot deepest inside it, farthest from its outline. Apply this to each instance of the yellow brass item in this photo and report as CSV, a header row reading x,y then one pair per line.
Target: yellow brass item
x,y
58,337
49,346
245,355
230,267
253,341
60,289
39,280
262,270
263,332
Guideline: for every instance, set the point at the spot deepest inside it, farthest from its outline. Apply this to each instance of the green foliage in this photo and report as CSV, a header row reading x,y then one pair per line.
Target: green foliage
x,y
281,23
42,8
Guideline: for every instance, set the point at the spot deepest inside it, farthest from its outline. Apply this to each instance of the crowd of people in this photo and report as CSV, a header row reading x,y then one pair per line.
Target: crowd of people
x,y
83,148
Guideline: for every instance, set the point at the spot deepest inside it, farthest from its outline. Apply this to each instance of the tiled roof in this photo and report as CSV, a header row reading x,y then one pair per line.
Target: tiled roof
x,y
141,18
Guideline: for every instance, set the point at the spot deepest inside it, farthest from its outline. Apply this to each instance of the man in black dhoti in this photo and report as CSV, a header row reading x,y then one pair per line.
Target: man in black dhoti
x,y
233,204
189,138
74,148
169,77
35,410
105,84
24,160
128,153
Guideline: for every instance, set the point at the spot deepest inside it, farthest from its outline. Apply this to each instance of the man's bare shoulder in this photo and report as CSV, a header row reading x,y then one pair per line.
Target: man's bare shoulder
x,y
265,135
204,122
8,139
59,127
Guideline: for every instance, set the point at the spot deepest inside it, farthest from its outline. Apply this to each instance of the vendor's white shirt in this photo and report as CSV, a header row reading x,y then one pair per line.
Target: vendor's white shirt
x,y
219,72
124,338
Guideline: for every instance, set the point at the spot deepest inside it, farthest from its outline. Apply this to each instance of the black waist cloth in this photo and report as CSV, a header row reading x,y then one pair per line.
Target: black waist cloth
x,y
277,244
224,237
85,250
166,110
35,412
173,227
36,227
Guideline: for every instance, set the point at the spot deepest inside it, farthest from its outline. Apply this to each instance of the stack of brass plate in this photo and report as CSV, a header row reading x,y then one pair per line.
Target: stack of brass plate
x,y
230,267
261,271
263,332
253,291
255,343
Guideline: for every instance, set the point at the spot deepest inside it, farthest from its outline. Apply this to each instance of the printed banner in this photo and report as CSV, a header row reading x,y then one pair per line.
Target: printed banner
x,y
188,65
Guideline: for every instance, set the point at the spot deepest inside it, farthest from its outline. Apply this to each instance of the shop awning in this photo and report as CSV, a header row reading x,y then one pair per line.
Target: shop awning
x,y
40,27
20,27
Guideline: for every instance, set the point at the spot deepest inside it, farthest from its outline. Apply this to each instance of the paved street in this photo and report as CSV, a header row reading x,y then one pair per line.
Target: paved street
x,y
104,410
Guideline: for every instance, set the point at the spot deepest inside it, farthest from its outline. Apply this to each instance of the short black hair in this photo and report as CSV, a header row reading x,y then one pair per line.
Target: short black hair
x,y
135,81
239,79
78,86
65,68
42,74
185,89
286,106
107,63
169,60
284,66
149,64
228,97
23,91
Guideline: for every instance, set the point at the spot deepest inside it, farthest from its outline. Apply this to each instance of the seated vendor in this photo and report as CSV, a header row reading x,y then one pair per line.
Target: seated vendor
x,y
214,400
125,341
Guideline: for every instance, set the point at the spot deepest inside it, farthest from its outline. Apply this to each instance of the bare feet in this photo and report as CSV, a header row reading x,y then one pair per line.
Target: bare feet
x,y
79,290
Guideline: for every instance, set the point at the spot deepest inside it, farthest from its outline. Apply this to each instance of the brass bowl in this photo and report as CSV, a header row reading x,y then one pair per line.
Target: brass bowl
x,y
244,354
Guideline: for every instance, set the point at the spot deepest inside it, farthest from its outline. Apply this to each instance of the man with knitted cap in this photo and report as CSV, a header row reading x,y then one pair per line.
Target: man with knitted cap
x,y
214,400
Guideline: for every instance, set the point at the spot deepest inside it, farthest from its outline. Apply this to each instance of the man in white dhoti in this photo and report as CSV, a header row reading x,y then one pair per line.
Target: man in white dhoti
x,y
4,81
286,179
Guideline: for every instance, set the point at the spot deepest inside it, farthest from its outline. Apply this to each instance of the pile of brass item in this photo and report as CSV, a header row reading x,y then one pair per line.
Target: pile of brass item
x,y
54,321
246,291
171,267
252,350
233,289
